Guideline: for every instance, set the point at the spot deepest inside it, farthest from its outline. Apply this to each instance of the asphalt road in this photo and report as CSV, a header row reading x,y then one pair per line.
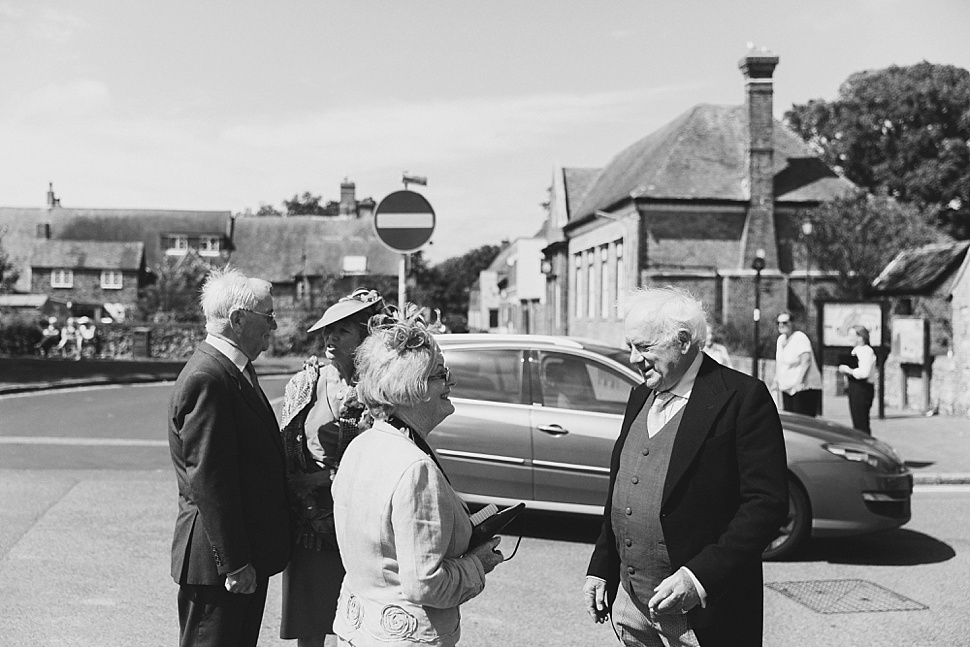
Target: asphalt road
x,y
87,503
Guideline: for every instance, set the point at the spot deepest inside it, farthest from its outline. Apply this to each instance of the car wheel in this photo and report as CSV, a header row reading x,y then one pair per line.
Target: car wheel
x,y
795,530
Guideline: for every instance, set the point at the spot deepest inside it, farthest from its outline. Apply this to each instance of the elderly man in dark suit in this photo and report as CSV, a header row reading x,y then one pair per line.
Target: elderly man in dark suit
x,y
233,526
698,488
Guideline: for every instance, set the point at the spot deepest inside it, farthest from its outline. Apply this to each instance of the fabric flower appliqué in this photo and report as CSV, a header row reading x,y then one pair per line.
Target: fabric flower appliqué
x,y
353,611
398,623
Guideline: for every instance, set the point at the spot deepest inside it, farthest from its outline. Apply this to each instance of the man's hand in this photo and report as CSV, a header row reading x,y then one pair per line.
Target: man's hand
x,y
242,581
676,594
594,594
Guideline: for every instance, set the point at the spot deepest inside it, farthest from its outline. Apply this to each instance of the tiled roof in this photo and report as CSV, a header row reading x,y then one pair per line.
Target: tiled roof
x,y
273,248
119,225
702,155
924,270
87,254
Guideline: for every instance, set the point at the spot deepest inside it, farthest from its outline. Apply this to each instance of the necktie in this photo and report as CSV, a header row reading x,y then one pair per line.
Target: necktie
x,y
656,416
251,373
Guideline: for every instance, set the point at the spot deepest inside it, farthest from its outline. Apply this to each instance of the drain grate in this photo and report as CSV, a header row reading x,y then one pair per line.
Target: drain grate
x,y
845,596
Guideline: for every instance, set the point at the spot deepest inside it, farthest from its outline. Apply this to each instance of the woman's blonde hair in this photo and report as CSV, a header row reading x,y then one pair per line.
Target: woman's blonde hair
x,y
394,362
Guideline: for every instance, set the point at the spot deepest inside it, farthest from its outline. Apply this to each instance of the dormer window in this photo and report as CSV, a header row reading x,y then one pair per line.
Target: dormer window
x,y
210,245
111,280
62,278
176,245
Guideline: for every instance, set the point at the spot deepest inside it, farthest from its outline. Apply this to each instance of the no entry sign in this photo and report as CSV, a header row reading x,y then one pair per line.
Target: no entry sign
x,y
404,221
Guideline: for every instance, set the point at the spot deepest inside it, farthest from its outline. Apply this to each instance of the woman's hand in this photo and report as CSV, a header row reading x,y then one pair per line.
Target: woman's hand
x,y
487,554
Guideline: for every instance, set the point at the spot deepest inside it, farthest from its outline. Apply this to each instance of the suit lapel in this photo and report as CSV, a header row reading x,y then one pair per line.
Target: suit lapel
x,y
708,397
253,398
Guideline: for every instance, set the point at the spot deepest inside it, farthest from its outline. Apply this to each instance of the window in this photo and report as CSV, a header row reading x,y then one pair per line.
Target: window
x,y
209,245
604,282
176,245
591,283
490,375
62,278
493,317
580,384
620,275
111,280
355,265
578,285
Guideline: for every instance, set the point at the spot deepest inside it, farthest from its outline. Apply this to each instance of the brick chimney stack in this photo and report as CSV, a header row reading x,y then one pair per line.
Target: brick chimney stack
x,y
759,228
348,198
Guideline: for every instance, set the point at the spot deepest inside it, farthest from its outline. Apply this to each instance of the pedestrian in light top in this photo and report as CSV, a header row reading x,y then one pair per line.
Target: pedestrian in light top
x,y
321,415
233,527
796,374
698,489
860,388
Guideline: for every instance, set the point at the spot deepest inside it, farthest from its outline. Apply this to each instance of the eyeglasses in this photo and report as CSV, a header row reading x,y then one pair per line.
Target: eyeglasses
x,y
270,316
784,323
444,374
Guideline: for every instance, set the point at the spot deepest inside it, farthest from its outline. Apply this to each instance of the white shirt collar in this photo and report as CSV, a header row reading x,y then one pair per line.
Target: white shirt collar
x,y
230,350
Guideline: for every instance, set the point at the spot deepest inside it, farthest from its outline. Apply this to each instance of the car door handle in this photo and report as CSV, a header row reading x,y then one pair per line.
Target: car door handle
x,y
553,430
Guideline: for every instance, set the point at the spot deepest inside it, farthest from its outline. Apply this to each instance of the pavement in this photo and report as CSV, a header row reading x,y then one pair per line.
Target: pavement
x,y
936,448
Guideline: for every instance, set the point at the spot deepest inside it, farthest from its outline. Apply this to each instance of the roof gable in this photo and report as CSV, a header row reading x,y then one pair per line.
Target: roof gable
x,y
87,254
702,155
930,269
280,249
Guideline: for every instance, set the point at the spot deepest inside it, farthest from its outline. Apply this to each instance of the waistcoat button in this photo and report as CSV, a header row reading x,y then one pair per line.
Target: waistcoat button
x,y
635,480
629,510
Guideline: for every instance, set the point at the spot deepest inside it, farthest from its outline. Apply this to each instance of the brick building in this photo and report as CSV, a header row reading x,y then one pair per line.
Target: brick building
x,y
690,205
98,279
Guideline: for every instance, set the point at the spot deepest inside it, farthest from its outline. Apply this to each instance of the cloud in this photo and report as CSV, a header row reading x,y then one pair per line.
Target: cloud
x,y
56,26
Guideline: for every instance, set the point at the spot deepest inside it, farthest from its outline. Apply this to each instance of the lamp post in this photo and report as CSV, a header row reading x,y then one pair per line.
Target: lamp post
x,y
757,265
807,228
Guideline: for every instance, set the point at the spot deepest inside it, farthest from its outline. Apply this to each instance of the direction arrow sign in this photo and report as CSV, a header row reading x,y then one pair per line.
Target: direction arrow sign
x,y
404,221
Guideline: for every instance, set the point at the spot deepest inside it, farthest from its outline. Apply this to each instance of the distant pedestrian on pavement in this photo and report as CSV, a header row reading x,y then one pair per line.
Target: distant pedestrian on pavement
x,y
50,335
860,388
233,527
70,344
698,488
796,373
717,350
321,415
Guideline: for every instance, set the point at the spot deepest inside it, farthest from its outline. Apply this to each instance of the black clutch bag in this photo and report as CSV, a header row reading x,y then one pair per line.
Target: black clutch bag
x,y
493,523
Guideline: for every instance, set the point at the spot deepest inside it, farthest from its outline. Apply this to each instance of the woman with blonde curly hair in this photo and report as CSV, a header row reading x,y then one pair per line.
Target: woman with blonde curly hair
x,y
404,533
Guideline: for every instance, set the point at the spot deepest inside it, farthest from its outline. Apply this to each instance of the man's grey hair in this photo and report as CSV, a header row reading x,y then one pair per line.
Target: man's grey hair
x,y
668,310
226,290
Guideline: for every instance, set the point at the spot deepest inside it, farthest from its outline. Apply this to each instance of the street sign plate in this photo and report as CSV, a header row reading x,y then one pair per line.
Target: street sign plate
x,y
404,221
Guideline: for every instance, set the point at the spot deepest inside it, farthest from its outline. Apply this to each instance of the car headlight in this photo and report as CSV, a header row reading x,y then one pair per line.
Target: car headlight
x,y
859,454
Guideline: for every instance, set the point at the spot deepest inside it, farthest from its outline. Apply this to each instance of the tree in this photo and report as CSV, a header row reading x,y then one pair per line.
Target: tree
x,y
309,205
446,285
174,296
904,130
857,235
8,274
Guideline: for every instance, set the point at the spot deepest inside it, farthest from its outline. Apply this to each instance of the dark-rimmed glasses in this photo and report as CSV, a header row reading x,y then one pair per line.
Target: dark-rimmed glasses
x,y
443,374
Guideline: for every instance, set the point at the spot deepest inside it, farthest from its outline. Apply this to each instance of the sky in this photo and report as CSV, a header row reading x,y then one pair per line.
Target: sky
x,y
230,104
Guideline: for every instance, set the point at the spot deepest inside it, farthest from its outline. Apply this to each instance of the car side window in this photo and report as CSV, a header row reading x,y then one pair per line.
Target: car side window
x,y
485,374
570,382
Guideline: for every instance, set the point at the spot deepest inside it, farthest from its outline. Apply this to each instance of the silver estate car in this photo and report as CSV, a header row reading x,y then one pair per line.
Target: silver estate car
x,y
536,419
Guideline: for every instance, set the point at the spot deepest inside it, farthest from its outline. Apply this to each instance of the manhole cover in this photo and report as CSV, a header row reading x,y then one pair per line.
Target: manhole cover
x,y
845,596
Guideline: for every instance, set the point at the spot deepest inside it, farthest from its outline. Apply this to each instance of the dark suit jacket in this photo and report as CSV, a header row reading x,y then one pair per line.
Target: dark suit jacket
x,y
228,456
724,499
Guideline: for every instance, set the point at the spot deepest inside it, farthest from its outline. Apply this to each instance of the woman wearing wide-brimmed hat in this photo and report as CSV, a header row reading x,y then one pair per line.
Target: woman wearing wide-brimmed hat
x,y
321,415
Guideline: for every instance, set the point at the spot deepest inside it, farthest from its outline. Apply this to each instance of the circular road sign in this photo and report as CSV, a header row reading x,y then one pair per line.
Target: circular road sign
x,y
404,221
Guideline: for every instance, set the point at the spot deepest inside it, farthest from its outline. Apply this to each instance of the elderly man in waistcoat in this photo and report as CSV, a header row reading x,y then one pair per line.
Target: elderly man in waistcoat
x,y
698,489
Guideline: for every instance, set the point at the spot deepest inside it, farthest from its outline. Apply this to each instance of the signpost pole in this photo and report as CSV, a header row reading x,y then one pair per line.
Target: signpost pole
x,y
401,283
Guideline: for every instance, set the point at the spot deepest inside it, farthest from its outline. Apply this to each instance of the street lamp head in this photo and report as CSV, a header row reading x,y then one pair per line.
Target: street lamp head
x,y
758,263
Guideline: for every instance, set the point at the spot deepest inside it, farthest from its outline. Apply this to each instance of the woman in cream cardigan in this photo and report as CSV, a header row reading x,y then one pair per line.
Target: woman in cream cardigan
x,y
402,530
